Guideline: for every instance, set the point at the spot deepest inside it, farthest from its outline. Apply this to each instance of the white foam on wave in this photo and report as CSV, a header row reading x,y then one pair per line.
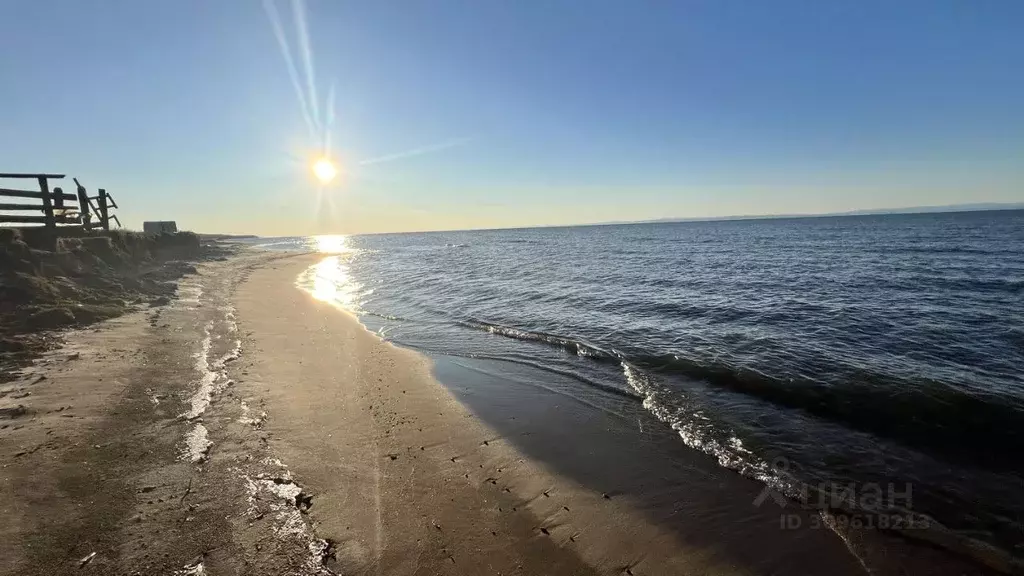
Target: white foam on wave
x,y
696,431
579,348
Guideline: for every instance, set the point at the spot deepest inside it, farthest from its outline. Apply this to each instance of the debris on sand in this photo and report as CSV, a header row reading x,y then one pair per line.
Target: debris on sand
x,y
86,560
196,568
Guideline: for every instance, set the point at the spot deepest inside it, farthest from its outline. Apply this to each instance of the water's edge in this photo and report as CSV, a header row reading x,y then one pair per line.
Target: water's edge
x,y
840,509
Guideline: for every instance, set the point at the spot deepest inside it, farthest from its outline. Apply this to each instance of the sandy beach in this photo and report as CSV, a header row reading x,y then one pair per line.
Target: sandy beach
x,y
249,428
322,288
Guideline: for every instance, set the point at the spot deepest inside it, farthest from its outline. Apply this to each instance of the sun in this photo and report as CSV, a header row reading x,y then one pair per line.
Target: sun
x,y
324,170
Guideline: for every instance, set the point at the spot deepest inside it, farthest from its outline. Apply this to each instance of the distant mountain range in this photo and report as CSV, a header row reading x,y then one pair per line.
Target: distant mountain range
x,y
978,207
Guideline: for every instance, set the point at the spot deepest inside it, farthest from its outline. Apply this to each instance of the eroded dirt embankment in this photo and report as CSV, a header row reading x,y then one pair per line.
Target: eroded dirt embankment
x,y
70,278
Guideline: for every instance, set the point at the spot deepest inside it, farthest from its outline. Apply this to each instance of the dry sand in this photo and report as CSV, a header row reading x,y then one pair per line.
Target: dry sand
x,y
248,428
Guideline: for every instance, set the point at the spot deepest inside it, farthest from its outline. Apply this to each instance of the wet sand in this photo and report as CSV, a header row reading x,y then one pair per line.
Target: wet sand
x,y
248,428
95,473
407,479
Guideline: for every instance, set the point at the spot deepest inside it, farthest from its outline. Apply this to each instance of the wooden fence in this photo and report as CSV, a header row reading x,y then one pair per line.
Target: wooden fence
x,y
79,209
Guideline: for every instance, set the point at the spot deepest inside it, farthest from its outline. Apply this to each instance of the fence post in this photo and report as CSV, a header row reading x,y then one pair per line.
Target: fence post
x,y
44,187
83,204
58,199
104,220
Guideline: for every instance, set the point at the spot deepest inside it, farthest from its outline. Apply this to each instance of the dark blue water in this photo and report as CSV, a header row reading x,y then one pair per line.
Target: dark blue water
x,y
802,352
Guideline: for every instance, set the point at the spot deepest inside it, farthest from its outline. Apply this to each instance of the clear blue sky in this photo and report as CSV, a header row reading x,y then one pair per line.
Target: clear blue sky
x,y
481,113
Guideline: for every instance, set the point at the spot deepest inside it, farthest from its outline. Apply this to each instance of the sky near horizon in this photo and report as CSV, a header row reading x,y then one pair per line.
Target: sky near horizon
x,y
479,114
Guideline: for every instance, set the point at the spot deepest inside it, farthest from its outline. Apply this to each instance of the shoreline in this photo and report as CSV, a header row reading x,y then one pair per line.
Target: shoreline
x,y
489,485
321,448
476,382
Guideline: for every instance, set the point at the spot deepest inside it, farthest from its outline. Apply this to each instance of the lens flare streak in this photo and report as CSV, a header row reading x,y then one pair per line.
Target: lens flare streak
x,y
416,151
299,10
275,22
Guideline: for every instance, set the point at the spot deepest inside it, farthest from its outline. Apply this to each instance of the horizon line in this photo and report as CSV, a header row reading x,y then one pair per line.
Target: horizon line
x,y
908,210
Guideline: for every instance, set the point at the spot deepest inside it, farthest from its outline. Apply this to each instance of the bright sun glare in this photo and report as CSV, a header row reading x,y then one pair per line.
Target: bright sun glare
x,y
324,170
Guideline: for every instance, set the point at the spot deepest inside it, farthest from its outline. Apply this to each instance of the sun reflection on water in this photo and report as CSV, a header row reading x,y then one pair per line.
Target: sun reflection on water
x,y
329,280
331,243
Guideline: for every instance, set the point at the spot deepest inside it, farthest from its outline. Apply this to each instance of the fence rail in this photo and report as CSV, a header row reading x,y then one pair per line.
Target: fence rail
x,y
82,212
